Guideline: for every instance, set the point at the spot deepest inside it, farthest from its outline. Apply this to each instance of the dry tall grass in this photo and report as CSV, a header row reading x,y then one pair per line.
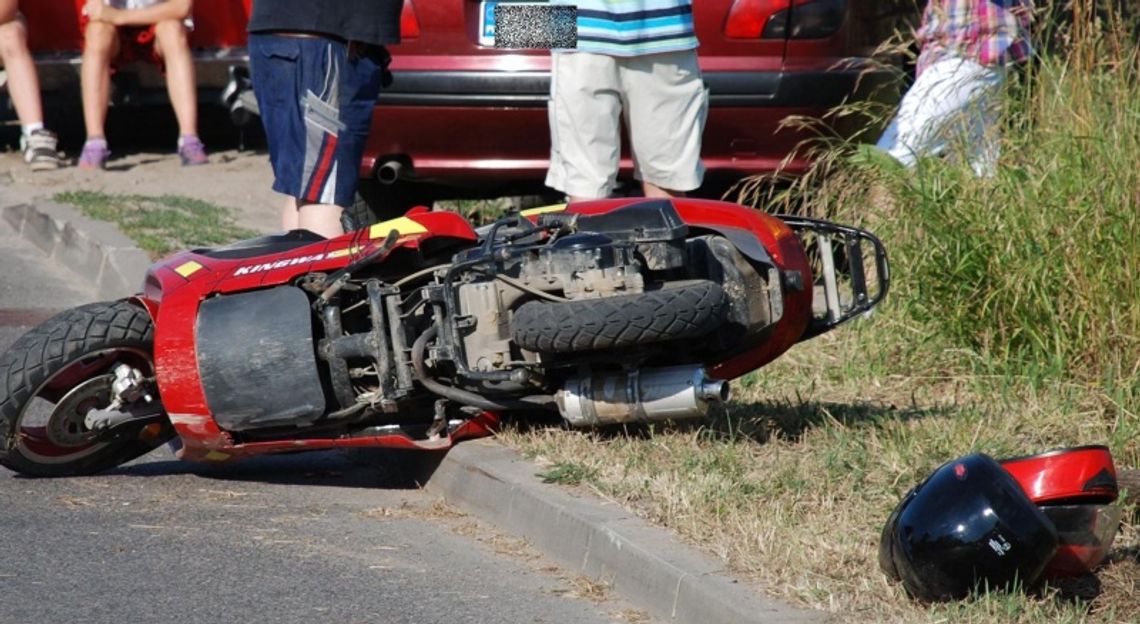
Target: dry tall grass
x,y
1013,326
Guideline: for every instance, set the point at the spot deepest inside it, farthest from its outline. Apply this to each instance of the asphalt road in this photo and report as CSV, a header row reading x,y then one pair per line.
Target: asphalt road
x,y
304,538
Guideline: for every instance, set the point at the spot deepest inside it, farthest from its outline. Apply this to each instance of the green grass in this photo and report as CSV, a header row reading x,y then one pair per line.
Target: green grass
x,y
163,224
1012,327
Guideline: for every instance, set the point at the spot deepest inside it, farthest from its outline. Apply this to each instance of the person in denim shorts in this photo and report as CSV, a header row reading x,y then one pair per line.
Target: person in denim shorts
x,y
317,70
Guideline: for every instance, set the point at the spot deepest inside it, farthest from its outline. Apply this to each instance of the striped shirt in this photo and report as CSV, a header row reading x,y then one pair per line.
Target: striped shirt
x,y
634,27
991,32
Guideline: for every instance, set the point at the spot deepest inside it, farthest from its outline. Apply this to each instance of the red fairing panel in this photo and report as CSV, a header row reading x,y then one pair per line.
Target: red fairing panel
x,y
182,281
480,426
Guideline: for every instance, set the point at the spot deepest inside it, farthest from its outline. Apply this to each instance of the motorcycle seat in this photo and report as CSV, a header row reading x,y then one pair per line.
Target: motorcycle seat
x,y
262,245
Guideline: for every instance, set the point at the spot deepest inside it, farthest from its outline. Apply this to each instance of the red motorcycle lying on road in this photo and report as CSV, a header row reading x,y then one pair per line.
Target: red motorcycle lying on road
x,y
422,331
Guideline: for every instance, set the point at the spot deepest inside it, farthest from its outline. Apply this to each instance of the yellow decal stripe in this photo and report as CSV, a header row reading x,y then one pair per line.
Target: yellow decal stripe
x,y
402,225
188,269
543,209
339,253
217,456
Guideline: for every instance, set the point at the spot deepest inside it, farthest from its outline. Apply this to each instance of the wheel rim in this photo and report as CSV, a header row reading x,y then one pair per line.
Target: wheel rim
x,y
51,428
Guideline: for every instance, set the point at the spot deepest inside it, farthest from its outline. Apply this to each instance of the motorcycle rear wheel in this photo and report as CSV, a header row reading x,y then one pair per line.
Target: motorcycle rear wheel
x,y
683,309
53,375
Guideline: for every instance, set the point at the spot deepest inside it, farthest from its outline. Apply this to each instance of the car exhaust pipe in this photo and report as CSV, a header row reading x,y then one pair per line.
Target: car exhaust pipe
x,y
640,396
390,171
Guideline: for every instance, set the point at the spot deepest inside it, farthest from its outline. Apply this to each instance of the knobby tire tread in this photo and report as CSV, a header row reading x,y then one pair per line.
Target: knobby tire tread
x,y
49,348
679,310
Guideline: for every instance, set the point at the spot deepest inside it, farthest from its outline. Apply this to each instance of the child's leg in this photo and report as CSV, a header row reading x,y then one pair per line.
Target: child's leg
x,y
101,46
181,85
983,147
23,84
941,107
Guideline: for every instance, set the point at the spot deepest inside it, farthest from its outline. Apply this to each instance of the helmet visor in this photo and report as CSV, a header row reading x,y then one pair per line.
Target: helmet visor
x,y
1084,533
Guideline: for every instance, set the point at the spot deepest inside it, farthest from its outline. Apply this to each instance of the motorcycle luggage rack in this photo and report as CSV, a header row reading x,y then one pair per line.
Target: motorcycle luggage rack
x,y
840,263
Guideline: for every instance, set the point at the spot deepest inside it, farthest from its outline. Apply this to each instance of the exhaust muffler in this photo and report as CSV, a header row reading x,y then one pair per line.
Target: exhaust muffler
x,y
640,396
390,172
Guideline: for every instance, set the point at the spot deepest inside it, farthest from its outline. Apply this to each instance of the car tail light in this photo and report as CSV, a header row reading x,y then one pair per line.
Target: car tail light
x,y
749,19
409,23
784,19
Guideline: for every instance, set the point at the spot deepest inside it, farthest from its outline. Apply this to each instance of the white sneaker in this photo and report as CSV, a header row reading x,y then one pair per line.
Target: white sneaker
x,y
39,149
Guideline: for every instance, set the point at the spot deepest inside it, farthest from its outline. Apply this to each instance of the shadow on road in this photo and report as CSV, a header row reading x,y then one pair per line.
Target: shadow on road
x,y
357,468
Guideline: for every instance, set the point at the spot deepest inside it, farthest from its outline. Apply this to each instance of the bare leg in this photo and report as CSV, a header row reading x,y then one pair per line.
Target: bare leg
x,y
648,188
323,219
102,45
181,85
289,214
652,190
23,84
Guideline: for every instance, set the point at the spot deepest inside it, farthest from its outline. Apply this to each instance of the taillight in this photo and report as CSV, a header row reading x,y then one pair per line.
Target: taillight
x,y
749,19
784,19
814,19
409,23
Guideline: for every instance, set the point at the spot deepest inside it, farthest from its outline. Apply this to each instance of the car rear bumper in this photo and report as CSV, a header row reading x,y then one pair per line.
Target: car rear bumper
x,y
777,89
504,133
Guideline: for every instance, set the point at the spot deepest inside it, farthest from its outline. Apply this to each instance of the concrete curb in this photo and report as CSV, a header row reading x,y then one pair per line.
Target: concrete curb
x,y
93,250
644,564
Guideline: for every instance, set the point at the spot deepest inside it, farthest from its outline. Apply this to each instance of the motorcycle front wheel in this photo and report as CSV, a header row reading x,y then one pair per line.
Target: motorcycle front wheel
x,y
55,374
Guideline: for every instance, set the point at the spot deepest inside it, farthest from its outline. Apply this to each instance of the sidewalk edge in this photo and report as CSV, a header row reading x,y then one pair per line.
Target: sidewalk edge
x,y
644,564
93,250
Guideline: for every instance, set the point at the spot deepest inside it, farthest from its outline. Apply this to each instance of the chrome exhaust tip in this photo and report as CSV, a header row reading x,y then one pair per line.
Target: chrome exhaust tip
x,y
640,396
714,391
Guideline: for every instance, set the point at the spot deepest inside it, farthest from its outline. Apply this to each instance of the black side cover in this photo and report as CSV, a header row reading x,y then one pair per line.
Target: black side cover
x,y
652,220
257,361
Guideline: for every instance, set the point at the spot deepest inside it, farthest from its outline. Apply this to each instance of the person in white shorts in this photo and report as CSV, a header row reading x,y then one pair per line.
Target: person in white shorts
x,y
965,47
635,61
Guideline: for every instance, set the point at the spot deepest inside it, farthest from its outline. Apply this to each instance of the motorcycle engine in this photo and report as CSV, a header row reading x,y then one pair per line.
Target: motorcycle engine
x,y
584,266
578,266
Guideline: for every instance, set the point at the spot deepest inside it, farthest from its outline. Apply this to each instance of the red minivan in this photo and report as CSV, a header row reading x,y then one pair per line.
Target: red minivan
x,y
464,119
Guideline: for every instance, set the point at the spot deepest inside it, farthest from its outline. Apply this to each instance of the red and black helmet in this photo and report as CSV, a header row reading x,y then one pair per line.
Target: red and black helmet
x,y
1077,475
1075,488
978,521
968,525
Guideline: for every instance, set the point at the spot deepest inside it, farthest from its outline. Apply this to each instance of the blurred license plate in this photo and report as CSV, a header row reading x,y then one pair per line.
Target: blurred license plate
x,y
487,21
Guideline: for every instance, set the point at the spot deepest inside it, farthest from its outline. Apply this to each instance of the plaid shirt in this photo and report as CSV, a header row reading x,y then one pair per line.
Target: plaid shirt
x,y
991,32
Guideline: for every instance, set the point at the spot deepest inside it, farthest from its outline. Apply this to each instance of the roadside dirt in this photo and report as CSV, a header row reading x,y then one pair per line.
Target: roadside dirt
x,y
143,161
235,179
